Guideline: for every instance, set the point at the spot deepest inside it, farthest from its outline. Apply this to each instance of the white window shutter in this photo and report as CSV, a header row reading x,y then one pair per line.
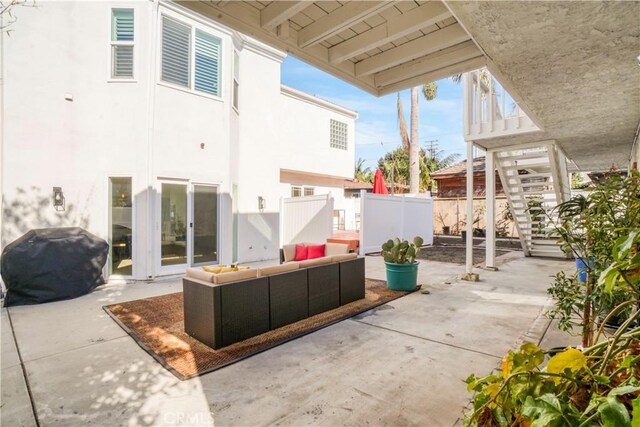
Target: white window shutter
x,y
207,63
176,40
122,25
122,60
122,35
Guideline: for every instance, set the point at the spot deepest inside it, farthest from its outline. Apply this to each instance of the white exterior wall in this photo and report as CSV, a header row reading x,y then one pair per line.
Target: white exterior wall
x,y
305,147
143,129
49,141
258,172
305,135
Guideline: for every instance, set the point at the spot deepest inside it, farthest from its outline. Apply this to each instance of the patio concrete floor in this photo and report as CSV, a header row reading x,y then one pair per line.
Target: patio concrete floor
x,y
400,364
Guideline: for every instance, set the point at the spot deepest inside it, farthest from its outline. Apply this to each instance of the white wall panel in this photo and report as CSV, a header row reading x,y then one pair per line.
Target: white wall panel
x,y
384,217
307,219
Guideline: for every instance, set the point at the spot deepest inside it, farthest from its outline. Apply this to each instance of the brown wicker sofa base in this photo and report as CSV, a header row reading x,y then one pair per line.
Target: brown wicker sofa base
x,y
221,314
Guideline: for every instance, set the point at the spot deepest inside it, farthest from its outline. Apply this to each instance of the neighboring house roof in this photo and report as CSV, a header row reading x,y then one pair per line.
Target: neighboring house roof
x,y
354,184
318,101
460,169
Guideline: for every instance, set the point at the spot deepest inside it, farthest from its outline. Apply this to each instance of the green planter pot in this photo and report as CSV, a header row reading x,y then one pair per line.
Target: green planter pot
x,y
402,277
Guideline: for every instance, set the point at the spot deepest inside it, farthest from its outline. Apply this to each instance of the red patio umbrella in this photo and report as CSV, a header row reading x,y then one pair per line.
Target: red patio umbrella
x,y
379,187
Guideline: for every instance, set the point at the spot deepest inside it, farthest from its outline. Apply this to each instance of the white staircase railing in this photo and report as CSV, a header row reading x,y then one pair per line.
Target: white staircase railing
x,y
535,181
490,111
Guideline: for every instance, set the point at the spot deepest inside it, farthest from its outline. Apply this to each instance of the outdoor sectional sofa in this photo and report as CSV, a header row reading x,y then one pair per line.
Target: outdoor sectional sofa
x,y
222,309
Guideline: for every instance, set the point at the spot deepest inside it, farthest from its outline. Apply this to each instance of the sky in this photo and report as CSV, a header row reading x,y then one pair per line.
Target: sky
x,y
377,124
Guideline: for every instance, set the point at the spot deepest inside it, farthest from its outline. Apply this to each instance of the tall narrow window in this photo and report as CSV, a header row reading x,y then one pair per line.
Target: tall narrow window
x,y
176,45
338,135
122,43
236,78
121,226
207,72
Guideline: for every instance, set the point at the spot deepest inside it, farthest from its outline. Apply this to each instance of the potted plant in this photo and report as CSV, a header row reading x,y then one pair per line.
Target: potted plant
x,y
400,261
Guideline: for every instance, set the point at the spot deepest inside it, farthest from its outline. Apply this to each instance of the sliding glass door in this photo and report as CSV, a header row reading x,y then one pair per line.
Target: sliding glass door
x,y
205,225
188,225
173,225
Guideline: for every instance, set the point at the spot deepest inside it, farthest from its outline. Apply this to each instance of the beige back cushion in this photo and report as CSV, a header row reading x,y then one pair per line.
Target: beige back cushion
x,y
234,276
289,252
315,261
336,249
275,269
343,257
200,274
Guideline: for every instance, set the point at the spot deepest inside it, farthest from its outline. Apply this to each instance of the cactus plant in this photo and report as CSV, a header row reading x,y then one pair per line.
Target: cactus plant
x,y
401,251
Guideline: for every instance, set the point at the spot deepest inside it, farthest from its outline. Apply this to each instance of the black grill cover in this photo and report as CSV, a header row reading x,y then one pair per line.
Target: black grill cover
x,y
52,264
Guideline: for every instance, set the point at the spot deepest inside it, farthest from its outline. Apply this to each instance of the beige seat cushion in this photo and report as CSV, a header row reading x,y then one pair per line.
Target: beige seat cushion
x,y
336,249
200,274
315,261
234,276
275,269
289,252
343,257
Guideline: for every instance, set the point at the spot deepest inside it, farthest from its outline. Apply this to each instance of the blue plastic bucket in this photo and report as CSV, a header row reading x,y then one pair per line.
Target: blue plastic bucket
x,y
581,266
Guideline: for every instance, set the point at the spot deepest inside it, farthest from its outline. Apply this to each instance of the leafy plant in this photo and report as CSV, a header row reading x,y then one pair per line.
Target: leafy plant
x,y
599,386
596,387
401,251
589,228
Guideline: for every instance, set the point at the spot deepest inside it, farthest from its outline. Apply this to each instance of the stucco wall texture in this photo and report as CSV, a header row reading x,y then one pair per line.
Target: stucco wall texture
x,y
571,65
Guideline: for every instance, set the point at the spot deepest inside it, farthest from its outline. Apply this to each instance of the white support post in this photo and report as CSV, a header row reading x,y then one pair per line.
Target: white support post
x,y
469,242
490,177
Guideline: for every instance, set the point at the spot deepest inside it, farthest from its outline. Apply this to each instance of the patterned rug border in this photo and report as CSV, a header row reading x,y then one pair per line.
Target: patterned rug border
x,y
274,344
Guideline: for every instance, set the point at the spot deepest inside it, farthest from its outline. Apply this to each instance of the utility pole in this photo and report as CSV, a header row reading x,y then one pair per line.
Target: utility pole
x,y
432,148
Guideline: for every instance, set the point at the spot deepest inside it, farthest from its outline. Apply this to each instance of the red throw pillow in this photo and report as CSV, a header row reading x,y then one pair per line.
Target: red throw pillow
x,y
302,253
316,251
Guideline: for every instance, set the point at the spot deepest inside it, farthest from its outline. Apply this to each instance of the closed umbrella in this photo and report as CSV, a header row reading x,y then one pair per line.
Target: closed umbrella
x,y
379,187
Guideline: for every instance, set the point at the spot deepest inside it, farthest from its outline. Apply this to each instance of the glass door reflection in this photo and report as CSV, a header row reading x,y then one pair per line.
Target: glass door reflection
x,y
121,225
173,224
205,224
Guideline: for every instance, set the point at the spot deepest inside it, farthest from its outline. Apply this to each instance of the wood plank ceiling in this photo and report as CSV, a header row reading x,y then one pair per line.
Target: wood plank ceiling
x,y
380,46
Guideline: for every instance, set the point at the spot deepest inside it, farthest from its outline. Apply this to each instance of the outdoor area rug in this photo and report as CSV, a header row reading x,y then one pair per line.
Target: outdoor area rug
x,y
157,325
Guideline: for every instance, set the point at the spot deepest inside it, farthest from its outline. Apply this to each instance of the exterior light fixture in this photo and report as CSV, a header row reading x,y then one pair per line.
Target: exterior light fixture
x,y
261,203
58,199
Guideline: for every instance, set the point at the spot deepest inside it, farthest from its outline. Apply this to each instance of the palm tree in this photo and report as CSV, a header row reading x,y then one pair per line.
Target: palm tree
x,y
361,173
433,160
412,144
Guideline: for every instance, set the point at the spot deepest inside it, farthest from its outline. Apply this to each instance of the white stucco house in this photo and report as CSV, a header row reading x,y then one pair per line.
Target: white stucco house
x,y
161,131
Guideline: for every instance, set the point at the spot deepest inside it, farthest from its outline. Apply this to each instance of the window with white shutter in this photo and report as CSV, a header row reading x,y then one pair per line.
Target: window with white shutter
x,y
176,46
190,57
207,62
122,37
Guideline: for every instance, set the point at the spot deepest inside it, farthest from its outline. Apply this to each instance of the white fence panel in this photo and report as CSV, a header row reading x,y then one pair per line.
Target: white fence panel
x,y
306,219
384,217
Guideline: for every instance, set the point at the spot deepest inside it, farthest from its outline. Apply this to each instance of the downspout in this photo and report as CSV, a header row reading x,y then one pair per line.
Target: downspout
x,y
150,214
1,131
